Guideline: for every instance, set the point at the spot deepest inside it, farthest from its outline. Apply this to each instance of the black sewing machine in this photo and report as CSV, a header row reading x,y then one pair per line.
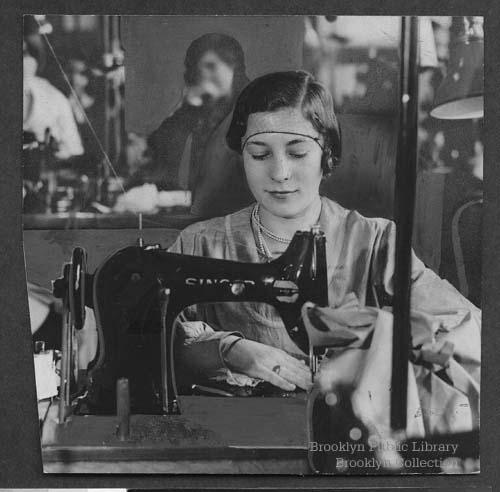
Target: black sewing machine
x,y
129,411
137,295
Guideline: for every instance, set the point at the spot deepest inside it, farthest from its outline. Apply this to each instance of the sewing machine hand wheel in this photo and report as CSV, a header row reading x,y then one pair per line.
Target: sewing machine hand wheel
x,y
71,289
76,287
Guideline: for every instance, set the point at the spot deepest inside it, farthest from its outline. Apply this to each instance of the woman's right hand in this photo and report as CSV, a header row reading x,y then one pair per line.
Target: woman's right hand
x,y
270,364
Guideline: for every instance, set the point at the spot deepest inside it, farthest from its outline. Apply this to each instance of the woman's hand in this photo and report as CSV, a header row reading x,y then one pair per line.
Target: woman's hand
x,y
195,94
270,364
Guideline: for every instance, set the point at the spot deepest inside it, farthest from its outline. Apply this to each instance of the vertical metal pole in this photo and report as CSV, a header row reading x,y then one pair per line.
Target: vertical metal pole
x,y
117,109
103,171
106,62
405,184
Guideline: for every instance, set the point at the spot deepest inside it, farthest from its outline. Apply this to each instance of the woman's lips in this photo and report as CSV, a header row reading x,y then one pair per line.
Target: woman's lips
x,y
281,194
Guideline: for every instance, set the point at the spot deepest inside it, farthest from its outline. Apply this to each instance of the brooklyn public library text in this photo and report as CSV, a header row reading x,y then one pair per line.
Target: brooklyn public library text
x,y
382,445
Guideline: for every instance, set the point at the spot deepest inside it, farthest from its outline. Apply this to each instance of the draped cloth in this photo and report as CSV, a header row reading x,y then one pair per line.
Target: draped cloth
x,y
443,374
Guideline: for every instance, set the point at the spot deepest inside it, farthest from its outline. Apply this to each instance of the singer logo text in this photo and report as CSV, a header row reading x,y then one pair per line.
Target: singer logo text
x,y
216,281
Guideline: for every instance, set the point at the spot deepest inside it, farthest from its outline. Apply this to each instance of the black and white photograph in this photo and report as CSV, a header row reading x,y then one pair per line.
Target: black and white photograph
x,y
253,243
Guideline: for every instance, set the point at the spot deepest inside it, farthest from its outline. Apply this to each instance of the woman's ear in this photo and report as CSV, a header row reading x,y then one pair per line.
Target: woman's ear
x,y
327,163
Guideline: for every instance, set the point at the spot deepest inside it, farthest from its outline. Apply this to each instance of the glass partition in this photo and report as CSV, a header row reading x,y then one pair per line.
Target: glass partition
x,y
131,133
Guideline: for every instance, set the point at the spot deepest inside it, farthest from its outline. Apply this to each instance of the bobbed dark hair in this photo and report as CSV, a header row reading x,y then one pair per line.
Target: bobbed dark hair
x,y
291,89
226,47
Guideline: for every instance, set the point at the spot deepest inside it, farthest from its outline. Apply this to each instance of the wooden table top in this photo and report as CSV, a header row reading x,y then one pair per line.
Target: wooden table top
x,y
212,435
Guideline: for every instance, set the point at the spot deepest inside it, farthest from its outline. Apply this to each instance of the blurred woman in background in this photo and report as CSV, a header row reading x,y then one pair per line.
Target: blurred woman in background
x,y
189,150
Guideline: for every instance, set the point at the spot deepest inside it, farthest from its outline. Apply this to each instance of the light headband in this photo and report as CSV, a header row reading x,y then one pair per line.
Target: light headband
x,y
316,139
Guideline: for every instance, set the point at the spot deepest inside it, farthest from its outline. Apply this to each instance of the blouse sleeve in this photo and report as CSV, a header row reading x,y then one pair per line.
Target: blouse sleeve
x,y
432,295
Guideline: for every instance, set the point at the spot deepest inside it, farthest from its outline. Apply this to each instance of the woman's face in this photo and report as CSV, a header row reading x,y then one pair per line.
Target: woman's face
x,y
215,74
283,170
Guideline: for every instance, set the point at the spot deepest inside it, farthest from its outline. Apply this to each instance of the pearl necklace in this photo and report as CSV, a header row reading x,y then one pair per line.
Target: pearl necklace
x,y
261,230
265,230
262,245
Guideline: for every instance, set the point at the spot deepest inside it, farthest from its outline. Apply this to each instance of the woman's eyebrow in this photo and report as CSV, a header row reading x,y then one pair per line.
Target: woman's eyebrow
x,y
291,142
297,141
256,142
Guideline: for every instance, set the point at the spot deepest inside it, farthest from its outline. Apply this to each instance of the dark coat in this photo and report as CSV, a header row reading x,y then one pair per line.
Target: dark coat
x,y
190,152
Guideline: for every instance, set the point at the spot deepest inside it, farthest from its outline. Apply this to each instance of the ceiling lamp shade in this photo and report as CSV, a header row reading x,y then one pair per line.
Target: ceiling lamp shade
x,y
460,95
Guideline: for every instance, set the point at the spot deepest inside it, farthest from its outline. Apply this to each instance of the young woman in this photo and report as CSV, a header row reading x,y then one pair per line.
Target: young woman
x,y
285,128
